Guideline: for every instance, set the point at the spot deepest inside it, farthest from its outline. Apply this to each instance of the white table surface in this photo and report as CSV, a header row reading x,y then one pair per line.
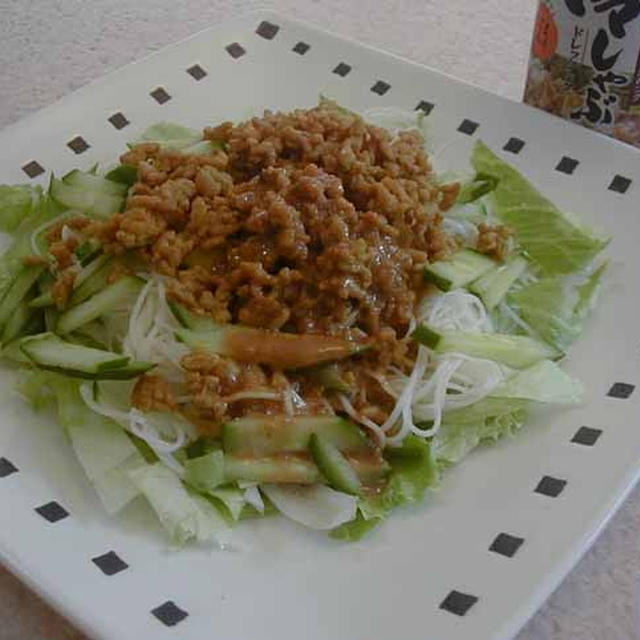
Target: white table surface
x,y
48,48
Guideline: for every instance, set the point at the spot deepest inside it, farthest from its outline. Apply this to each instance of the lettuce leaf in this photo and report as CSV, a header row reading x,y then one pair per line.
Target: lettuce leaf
x,y
171,136
184,514
102,447
480,185
355,529
544,381
554,240
485,421
205,473
413,471
556,308
17,202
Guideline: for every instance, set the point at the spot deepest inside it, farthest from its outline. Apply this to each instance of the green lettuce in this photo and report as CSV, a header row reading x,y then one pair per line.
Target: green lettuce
x,y
555,241
102,447
355,529
556,308
544,381
205,473
480,185
185,514
171,136
17,202
485,421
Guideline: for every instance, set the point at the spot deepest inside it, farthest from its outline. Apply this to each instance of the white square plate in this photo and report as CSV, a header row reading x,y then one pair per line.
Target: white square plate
x,y
289,583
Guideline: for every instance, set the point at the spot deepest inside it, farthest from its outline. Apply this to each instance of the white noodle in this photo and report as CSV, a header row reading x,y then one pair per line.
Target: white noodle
x,y
137,423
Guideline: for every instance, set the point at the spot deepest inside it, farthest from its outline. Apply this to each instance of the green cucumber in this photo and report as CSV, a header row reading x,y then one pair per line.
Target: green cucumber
x,y
515,351
457,270
113,296
48,351
492,287
18,290
92,279
328,376
277,469
91,182
93,202
333,465
17,322
269,435
190,320
278,350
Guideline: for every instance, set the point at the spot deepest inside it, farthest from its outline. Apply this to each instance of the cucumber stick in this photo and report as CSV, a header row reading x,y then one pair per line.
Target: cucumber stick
x,y
297,469
97,203
91,280
113,296
514,351
270,435
333,465
492,287
458,270
17,322
50,352
18,290
273,348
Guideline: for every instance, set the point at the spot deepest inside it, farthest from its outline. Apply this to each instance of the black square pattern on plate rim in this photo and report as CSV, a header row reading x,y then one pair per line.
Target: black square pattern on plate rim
x,y
514,145
301,47
52,511
78,145
505,544
550,486
118,120
110,563
468,127
425,106
7,467
342,69
267,30
380,87
160,95
620,184
196,72
621,390
458,602
567,165
586,436
235,50
169,613
33,169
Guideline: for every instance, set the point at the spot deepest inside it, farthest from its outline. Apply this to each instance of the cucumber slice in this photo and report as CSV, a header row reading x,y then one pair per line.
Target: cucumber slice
x,y
17,292
277,469
49,352
458,270
269,435
113,296
91,280
190,320
94,202
123,174
17,322
45,299
515,351
333,465
328,376
278,350
90,182
492,287
298,468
